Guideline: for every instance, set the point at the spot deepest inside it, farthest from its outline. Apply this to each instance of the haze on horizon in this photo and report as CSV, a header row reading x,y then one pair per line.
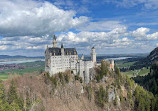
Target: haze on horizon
x,y
113,27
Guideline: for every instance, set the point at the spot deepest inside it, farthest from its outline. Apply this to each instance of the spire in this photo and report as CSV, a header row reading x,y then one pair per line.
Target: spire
x,y
82,57
54,37
62,49
62,46
54,41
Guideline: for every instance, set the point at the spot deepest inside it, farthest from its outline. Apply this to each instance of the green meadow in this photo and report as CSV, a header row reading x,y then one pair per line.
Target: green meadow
x,y
132,73
31,67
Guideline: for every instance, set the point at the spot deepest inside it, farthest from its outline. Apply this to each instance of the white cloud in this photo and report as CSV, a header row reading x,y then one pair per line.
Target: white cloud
x,y
140,33
36,18
101,26
153,36
34,47
3,47
86,39
116,39
147,4
24,42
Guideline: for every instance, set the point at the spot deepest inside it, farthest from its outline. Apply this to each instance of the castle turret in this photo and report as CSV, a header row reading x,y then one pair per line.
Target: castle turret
x,y
62,49
93,55
54,41
82,57
112,64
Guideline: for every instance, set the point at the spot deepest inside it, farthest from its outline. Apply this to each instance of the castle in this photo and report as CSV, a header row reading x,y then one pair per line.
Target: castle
x,y
62,59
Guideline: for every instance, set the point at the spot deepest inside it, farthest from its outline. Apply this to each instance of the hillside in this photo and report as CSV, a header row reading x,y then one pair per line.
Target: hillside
x,y
150,81
19,57
146,61
109,90
153,56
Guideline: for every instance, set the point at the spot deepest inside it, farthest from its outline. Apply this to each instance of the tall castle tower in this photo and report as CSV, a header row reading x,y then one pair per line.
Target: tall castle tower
x,y
54,41
93,55
112,65
62,49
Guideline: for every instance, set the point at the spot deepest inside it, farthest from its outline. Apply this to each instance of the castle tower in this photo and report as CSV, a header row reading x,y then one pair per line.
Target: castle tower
x,y
93,55
82,57
112,65
54,41
62,49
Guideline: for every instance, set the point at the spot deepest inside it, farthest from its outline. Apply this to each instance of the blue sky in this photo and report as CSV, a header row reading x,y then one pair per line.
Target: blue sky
x,y
112,26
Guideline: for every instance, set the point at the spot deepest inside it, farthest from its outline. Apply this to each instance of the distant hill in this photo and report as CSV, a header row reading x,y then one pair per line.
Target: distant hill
x,y
146,61
19,57
153,56
150,81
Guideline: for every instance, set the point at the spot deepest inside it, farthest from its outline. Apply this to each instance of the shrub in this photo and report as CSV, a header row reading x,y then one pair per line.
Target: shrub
x,y
115,101
54,81
78,78
89,92
67,78
62,80
100,97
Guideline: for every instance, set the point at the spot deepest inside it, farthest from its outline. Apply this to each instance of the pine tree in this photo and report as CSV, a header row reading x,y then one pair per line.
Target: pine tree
x,y
104,68
2,92
15,107
12,93
107,94
116,100
101,96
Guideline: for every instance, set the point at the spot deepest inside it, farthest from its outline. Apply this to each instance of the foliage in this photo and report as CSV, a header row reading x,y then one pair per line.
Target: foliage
x,y
115,100
107,94
144,101
103,71
11,101
104,68
13,98
62,79
77,77
89,90
100,97
150,81
67,78
12,93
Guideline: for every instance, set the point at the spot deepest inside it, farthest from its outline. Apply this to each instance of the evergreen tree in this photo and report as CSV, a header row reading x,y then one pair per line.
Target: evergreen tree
x,y
101,96
107,94
116,100
104,69
12,93
4,106
15,107
2,92
13,99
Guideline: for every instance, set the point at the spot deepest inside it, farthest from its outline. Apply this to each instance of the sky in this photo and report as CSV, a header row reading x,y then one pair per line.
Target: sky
x,y
111,26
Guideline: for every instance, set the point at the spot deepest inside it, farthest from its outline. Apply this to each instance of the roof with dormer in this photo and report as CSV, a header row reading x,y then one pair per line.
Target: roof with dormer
x,y
57,51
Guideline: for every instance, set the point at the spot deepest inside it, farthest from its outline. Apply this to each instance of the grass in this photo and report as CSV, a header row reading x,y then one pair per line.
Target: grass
x,y
140,72
121,63
31,67
4,76
124,63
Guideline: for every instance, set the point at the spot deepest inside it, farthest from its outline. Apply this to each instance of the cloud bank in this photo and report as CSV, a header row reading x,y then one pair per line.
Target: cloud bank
x,y
34,18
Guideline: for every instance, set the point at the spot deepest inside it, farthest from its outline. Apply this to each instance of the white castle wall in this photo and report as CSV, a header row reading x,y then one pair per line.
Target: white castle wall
x,y
60,63
63,63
